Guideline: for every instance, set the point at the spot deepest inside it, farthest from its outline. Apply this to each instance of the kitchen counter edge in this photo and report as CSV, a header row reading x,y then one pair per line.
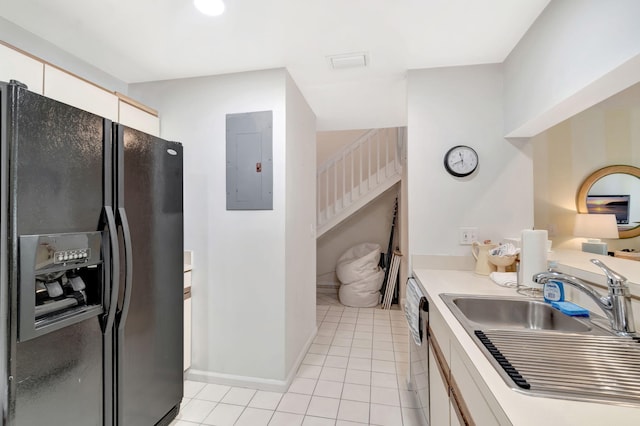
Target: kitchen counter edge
x,y
521,409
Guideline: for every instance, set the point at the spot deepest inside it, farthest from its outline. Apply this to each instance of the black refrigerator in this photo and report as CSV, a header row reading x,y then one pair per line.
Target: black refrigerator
x,y
91,277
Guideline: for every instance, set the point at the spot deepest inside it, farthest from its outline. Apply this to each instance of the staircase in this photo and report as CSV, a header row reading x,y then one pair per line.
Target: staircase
x,y
356,175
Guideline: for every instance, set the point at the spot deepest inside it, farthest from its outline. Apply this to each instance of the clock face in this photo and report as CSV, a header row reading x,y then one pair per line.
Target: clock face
x,y
461,161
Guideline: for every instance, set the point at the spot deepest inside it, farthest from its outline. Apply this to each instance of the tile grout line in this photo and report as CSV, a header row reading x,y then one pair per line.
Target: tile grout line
x,y
352,324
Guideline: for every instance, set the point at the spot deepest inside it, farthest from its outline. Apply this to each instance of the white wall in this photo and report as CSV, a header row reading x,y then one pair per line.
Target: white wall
x,y
239,283
29,42
300,248
463,105
576,54
329,143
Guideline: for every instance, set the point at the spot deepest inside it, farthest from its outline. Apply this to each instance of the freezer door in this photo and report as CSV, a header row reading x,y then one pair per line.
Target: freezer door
x,y
57,186
5,295
59,174
150,319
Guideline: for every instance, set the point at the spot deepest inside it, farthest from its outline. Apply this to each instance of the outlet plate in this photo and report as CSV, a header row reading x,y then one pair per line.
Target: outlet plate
x,y
551,229
468,235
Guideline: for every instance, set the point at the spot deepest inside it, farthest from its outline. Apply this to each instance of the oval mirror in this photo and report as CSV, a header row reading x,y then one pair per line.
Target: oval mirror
x,y
614,190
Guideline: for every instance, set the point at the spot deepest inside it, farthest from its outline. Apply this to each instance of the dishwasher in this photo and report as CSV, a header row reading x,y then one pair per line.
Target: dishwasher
x,y
418,380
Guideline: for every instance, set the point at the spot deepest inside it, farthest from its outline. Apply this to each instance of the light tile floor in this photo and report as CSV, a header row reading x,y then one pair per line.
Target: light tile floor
x,y
353,374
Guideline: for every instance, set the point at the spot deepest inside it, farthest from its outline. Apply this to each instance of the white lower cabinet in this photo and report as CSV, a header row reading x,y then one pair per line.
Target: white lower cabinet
x,y
187,320
438,393
457,394
455,415
187,333
478,402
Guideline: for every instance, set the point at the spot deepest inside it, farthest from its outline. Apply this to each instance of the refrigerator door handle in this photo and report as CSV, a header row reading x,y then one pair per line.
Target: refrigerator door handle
x,y
122,314
126,300
108,318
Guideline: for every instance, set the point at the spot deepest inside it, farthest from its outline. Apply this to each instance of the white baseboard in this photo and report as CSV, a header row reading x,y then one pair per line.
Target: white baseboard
x,y
237,380
327,279
259,383
327,284
301,355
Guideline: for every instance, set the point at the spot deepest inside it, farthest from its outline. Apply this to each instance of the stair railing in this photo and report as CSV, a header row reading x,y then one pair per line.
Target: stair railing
x,y
356,170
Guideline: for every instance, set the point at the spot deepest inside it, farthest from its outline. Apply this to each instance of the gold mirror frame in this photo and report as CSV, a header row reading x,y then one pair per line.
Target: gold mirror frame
x,y
581,198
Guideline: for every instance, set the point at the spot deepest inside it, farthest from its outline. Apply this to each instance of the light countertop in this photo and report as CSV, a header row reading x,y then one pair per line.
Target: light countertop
x,y
577,263
521,409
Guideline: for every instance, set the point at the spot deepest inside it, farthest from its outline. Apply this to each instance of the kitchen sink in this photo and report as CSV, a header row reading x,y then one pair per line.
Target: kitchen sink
x,y
512,313
584,360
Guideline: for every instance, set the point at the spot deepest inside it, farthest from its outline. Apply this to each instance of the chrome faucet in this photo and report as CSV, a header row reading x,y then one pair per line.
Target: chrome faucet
x,y
616,305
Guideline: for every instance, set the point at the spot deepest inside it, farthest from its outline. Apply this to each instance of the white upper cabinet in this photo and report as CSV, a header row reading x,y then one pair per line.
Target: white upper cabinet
x,y
17,66
65,87
138,119
79,93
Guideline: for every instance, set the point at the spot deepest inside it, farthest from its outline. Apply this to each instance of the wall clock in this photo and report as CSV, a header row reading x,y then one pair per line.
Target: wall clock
x,y
461,161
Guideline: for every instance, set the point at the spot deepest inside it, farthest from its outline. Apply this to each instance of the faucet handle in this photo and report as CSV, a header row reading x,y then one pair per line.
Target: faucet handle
x,y
614,279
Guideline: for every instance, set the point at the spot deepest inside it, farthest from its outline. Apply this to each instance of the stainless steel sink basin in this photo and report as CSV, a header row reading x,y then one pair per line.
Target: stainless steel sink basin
x,y
584,359
512,313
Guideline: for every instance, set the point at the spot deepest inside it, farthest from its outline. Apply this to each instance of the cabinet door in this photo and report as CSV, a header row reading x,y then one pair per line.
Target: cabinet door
x,y
17,66
438,392
187,333
138,119
187,321
74,91
474,400
454,414
187,279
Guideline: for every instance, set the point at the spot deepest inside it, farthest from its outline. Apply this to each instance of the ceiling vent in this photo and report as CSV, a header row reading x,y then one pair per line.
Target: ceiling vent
x,y
349,60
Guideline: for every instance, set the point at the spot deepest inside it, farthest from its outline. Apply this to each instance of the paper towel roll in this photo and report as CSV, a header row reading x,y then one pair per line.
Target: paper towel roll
x,y
533,256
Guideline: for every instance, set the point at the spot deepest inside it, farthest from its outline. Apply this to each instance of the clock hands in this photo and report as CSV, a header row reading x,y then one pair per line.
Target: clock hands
x,y
459,161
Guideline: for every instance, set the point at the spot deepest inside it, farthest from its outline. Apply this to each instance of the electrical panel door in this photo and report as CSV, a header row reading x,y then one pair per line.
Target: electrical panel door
x,y
250,161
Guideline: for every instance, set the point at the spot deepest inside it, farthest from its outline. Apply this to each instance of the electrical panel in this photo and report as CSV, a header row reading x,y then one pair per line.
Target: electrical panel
x,y
250,161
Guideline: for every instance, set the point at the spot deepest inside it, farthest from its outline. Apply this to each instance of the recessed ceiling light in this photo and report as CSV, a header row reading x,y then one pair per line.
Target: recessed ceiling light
x,y
349,60
210,7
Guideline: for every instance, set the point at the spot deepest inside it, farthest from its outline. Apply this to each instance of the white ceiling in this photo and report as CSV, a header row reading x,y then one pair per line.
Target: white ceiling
x,y
147,40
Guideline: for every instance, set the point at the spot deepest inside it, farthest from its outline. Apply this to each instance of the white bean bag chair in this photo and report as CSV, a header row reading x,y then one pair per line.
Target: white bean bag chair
x,y
358,262
364,293
360,276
